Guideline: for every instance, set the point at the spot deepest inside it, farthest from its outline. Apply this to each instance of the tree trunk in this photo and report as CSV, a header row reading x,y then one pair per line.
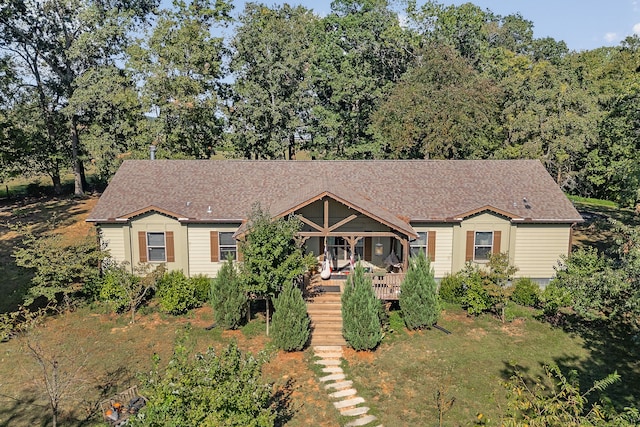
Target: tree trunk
x,y
267,301
292,148
57,184
83,176
75,159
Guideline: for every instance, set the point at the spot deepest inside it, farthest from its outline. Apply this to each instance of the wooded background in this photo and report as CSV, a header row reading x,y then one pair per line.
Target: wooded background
x,y
88,83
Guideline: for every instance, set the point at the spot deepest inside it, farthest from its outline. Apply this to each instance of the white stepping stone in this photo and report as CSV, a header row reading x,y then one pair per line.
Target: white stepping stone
x,y
328,362
354,412
361,421
343,393
332,377
332,369
340,384
349,402
327,348
329,356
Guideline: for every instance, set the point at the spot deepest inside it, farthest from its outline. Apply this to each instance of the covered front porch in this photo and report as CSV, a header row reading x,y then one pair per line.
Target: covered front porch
x,y
346,231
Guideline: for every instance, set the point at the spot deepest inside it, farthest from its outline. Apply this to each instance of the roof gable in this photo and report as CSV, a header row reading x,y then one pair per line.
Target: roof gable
x,y
358,204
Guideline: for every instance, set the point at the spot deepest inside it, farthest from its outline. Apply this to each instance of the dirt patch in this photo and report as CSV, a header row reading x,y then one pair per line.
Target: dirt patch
x,y
459,317
358,356
514,328
477,333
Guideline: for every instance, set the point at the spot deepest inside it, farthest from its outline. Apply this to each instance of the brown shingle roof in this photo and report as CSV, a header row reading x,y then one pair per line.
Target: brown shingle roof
x,y
394,190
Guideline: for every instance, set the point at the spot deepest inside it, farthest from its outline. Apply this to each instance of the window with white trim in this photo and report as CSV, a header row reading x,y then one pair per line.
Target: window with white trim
x,y
419,244
156,247
482,245
228,246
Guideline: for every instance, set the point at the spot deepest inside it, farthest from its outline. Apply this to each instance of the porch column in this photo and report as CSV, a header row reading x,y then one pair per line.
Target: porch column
x,y
405,254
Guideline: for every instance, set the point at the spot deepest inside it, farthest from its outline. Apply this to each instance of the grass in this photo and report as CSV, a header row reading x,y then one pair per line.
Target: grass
x,y
402,378
593,202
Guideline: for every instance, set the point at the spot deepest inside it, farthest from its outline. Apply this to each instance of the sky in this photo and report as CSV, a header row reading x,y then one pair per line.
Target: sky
x,y
581,24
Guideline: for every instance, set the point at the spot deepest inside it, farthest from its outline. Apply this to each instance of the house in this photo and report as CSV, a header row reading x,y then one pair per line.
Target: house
x,y
187,213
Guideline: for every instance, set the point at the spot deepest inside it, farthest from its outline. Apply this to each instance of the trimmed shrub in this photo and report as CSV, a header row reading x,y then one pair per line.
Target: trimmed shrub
x,y
228,299
290,321
360,312
176,293
526,292
553,298
202,286
419,297
113,289
452,288
476,297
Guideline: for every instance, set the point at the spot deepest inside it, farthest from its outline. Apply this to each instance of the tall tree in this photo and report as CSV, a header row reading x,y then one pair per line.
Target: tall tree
x,y
442,108
610,168
547,115
179,65
271,55
112,118
361,51
55,42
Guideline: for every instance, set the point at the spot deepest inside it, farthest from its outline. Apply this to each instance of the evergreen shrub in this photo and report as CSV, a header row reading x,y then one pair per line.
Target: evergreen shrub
x,y
202,286
452,288
526,292
228,299
419,297
361,326
176,293
290,323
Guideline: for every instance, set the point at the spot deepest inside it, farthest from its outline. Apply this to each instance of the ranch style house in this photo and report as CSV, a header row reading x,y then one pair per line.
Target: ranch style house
x,y
188,214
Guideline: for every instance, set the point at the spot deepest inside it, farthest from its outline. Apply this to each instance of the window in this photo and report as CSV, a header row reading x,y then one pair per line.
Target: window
x,y
156,247
483,245
228,246
420,244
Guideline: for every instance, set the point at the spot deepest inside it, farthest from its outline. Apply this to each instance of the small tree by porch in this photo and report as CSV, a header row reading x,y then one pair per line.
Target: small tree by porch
x,y
272,255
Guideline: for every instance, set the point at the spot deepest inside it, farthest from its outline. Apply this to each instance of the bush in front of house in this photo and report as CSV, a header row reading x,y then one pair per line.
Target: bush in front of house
x,y
202,286
176,293
452,288
526,292
113,288
476,298
290,323
228,299
361,326
419,297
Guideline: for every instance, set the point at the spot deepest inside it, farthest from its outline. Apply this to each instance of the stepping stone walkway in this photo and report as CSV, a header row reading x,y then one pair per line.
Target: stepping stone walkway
x,y
340,390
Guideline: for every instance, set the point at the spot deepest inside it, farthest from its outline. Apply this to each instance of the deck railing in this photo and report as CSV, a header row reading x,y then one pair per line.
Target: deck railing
x,y
387,286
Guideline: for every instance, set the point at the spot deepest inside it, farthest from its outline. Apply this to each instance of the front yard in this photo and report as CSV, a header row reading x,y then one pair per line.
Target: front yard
x,y
400,380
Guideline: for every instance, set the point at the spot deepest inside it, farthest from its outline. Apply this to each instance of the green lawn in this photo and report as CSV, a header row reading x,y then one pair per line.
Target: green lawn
x,y
402,378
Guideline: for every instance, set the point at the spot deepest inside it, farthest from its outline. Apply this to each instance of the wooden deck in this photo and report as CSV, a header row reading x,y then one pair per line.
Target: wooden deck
x,y
385,286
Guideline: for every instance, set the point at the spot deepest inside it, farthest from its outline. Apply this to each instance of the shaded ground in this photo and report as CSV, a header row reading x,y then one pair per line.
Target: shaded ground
x,y
65,215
